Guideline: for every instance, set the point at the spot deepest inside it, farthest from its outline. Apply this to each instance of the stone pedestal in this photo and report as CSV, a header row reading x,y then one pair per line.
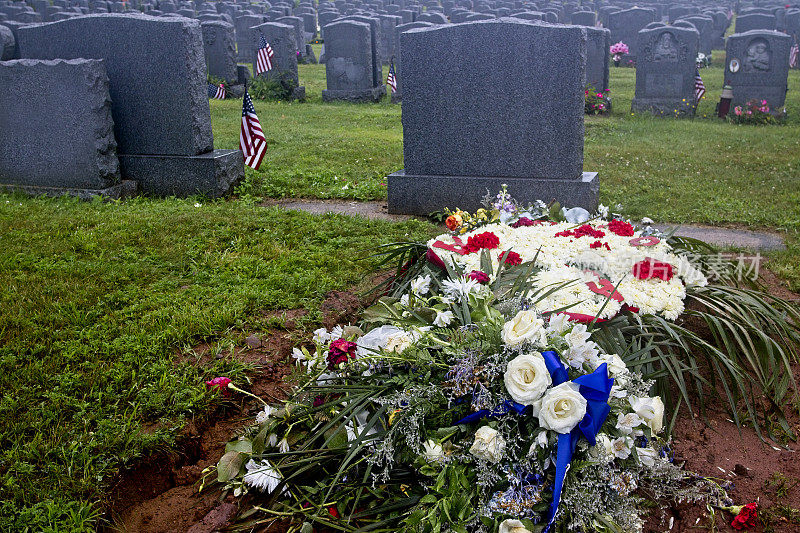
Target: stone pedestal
x,y
373,94
422,195
212,174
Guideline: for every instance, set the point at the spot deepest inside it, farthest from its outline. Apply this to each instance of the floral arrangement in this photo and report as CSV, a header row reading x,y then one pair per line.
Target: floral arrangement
x,y
703,61
618,50
596,103
507,381
756,112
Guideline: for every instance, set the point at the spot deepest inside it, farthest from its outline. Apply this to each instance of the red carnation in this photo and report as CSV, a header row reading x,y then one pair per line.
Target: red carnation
x,y
339,352
510,258
525,221
599,244
747,517
587,230
487,240
621,228
480,277
650,268
221,384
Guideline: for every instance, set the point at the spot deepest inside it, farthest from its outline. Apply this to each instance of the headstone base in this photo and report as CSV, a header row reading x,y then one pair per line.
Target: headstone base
x,y
123,189
664,108
367,95
421,195
299,93
212,174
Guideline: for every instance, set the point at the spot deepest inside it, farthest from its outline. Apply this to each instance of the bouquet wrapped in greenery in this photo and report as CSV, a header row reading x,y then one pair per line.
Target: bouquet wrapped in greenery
x,y
514,377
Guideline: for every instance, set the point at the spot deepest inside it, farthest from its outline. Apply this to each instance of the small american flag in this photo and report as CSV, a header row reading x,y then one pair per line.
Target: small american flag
x,y
264,56
391,78
793,53
252,142
699,86
216,93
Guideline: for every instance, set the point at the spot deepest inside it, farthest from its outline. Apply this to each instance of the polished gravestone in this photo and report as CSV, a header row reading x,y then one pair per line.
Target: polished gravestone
x,y
348,63
476,117
665,70
59,140
757,66
163,128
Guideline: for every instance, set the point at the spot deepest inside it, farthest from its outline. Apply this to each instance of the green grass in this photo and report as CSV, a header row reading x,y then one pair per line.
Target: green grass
x,y
97,298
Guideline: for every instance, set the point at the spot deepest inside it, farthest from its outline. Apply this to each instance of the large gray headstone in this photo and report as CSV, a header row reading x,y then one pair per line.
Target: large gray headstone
x,y
625,26
7,43
755,21
375,27
159,100
398,58
705,27
757,66
665,71
598,41
60,139
475,117
219,48
348,63
281,38
244,43
299,33
584,18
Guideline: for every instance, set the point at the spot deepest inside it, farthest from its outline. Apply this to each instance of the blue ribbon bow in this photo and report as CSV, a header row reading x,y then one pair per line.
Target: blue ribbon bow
x,y
595,387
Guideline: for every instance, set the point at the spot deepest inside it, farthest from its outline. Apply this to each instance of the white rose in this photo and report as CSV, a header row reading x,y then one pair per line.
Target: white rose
x,y
562,408
647,456
512,526
526,326
651,410
527,378
488,445
433,451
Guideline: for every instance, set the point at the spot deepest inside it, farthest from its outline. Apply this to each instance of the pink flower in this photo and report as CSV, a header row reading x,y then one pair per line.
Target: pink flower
x,y
737,111
763,102
220,383
599,95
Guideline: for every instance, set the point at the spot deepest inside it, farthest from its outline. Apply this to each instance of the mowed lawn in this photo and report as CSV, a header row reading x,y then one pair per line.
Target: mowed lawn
x,y
98,298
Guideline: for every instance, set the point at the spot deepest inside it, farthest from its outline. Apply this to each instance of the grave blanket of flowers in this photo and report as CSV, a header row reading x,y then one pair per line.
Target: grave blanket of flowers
x,y
472,396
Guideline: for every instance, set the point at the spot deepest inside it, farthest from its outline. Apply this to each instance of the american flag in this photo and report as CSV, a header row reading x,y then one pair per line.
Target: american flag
x,y
264,56
699,86
252,142
793,53
391,78
217,93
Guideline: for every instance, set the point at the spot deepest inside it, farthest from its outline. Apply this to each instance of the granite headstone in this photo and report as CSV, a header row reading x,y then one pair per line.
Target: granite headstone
x,y
475,117
665,70
59,140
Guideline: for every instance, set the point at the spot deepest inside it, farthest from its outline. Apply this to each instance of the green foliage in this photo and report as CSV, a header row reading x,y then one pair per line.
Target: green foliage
x,y
758,113
100,305
596,103
275,89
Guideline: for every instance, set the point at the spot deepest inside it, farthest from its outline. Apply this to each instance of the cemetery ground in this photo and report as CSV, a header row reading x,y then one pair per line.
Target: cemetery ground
x,y
114,314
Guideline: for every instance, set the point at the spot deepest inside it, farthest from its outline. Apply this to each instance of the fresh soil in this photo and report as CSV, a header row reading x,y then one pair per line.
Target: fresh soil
x,y
161,494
